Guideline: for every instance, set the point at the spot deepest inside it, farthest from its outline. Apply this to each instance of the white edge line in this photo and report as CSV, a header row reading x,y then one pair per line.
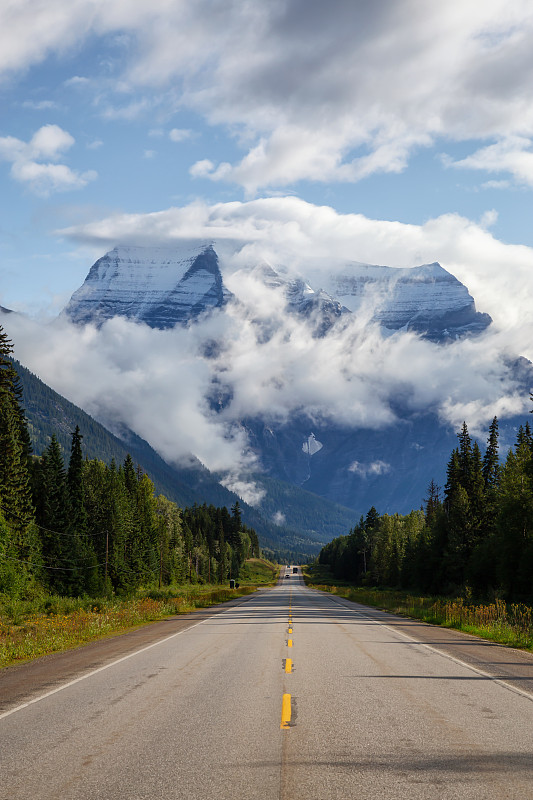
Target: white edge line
x,y
107,666
501,682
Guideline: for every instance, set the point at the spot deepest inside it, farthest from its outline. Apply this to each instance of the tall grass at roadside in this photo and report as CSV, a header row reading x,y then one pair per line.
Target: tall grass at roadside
x,y
509,624
29,629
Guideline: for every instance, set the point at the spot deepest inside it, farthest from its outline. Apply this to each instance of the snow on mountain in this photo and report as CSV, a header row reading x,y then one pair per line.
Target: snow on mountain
x,y
158,286
165,286
300,298
425,299
353,463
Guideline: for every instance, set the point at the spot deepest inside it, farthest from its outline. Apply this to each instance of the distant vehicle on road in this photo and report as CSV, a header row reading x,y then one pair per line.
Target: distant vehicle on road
x,y
295,569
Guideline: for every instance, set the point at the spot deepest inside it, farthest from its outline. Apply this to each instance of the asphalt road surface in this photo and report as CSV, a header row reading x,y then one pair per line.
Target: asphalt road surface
x,y
286,694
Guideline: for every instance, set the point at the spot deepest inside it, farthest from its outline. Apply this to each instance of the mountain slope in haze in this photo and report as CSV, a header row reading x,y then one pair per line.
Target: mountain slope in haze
x,y
309,522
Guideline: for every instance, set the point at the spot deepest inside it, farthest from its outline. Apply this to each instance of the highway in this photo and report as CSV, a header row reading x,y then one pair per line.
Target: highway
x,y
288,693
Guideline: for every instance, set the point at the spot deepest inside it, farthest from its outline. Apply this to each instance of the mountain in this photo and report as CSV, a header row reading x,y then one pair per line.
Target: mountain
x,y
158,286
426,299
167,286
349,467
300,298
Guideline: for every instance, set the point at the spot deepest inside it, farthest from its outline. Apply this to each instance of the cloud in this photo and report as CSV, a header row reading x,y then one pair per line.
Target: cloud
x,y
496,184
160,383
310,91
375,468
41,105
180,134
288,230
49,142
513,155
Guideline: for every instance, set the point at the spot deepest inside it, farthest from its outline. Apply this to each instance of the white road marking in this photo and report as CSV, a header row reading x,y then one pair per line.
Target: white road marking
x,y
106,666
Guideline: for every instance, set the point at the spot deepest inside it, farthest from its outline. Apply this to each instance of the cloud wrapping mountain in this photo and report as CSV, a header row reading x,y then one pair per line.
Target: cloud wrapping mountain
x,y
193,387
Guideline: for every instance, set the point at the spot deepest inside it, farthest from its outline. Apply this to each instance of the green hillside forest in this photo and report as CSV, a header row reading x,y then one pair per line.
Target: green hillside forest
x,y
474,538
309,520
78,525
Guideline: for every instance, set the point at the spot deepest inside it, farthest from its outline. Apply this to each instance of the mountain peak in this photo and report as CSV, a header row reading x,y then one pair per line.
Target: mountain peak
x,y
156,285
426,299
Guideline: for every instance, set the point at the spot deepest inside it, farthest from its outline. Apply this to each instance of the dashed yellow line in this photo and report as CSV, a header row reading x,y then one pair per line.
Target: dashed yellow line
x,y
289,643
288,665
285,712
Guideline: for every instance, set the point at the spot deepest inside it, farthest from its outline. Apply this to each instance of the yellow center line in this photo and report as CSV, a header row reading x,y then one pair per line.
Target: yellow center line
x,y
285,712
289,643
290,630
288,665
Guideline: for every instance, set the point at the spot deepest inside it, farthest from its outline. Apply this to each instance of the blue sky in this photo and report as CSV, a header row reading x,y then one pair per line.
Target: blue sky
x,y
400,111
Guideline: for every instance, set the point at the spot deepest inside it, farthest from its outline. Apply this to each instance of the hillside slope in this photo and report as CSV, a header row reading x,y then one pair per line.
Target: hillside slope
x,y
306,521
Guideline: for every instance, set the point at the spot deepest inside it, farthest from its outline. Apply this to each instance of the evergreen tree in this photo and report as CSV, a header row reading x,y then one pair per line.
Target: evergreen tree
x,y
432,502
130,478
15,493
223,560
78,518
465,458
491,461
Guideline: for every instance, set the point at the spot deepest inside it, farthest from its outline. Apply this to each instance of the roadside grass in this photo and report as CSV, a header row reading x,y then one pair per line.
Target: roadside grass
x,y
259,571
33,628
507,624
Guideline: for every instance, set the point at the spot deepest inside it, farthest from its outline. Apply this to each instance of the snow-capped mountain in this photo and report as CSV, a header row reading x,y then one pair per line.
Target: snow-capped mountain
x,y
158,286
167,286
354,464
426,299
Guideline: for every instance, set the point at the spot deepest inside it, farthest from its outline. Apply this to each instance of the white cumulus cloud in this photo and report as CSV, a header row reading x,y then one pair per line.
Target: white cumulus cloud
x,y
33,163
310,90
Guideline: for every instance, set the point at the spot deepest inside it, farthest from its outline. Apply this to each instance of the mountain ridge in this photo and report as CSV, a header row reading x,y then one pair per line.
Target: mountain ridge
x,y
165,286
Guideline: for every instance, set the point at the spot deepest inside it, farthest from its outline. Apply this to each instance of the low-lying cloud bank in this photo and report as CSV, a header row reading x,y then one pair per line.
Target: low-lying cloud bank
x,y
163,386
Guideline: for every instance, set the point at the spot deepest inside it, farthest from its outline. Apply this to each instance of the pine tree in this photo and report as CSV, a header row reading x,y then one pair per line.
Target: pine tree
x,y
130,478
60,551
78,519
16,505
465,458
432,502
15,495
223,560
491,461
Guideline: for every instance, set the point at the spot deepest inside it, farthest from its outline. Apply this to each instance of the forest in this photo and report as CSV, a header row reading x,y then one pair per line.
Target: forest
x,y
93,528
473,538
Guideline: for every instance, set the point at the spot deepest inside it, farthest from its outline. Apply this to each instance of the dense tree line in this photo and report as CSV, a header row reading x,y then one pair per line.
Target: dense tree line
x,y
89,527
476,537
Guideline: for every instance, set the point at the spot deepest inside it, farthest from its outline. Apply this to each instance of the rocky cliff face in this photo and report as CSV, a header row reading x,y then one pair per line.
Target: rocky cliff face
x,y
158,286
